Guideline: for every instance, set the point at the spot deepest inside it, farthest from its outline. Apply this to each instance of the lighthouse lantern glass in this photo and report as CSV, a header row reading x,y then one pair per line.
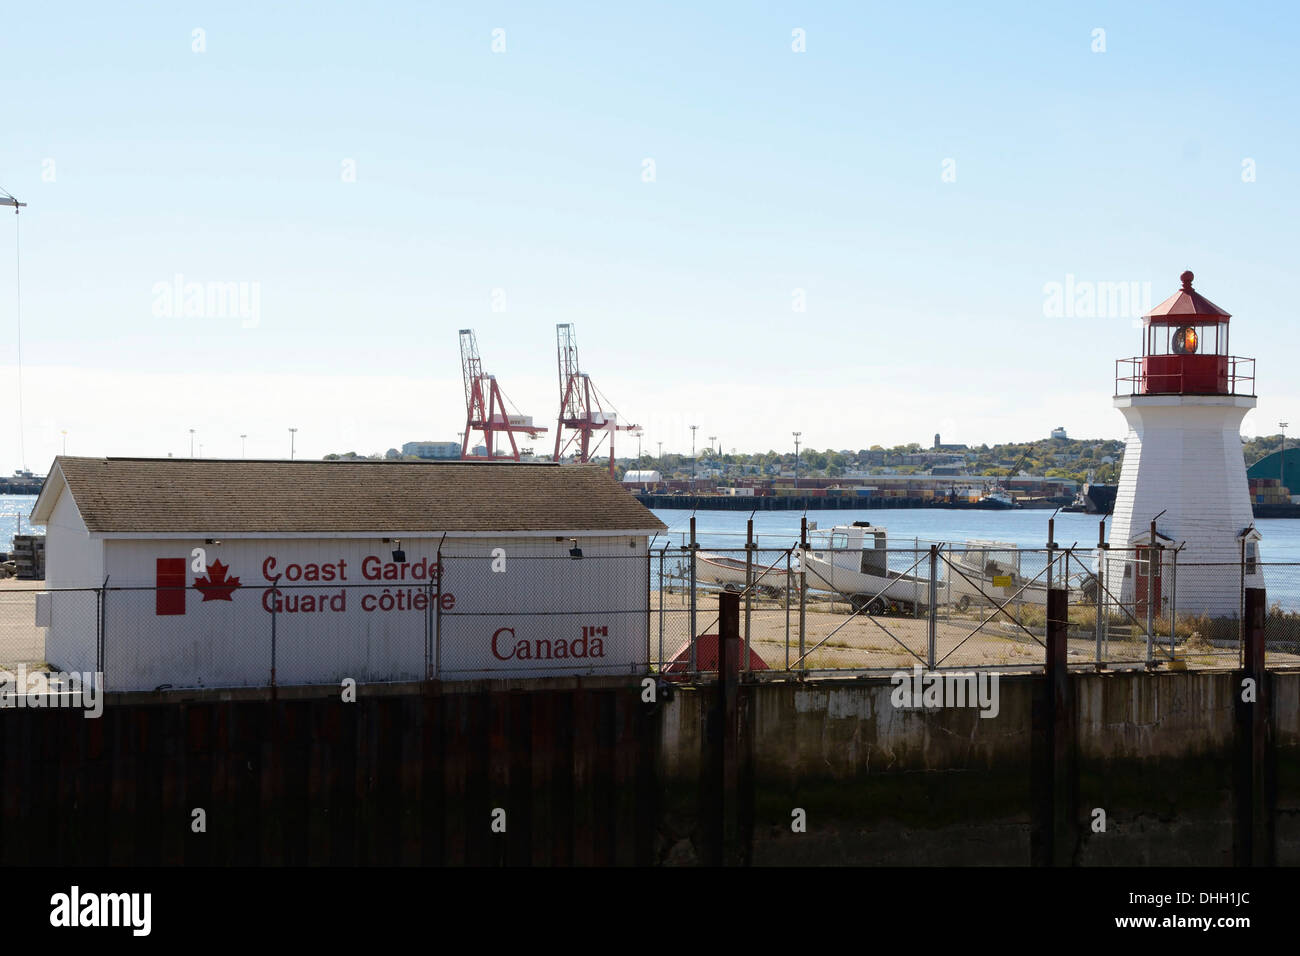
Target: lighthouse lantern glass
x,y
1185,340
1207,338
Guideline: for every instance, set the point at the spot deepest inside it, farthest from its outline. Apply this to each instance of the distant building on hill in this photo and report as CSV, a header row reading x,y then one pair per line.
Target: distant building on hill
x,y
940,446
432,449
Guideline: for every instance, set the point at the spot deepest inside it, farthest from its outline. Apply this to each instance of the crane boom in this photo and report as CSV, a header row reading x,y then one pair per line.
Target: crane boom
x,y
580,408
485,406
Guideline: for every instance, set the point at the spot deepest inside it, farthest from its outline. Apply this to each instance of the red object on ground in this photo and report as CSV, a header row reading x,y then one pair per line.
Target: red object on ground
x,y
706,658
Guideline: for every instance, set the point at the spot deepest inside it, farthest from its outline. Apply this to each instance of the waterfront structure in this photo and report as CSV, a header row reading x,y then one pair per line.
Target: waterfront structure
x,y
1277,466
642,478
432,449
1184,399
204,557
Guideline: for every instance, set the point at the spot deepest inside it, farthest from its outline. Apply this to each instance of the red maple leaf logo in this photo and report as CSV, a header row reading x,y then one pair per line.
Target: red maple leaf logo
x,y
215,586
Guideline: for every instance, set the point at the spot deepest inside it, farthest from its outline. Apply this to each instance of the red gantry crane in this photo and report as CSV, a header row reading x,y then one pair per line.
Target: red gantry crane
x,y
485,405
580,405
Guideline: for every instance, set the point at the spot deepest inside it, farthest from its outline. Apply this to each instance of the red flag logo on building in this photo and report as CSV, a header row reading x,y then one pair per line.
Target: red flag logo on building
x,y
170,581
215,586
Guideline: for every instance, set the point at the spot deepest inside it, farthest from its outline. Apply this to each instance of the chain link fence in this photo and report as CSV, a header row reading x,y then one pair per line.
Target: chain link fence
x,y
830,609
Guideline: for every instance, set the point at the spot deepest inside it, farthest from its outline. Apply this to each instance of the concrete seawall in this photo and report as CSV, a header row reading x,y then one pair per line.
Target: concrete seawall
x,y
884,786
588,772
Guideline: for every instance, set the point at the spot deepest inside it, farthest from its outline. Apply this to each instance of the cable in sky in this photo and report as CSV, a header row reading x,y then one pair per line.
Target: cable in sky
x,y
7,199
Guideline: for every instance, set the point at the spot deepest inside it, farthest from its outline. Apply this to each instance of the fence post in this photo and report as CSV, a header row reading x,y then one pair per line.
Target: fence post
x,y
1051,549
1241,590
933,599
693,547
1173,601
101,643
1151,595
428,632
916,597
274,604
662,551
789,577
1060,735
437,620
649,629
1103,606
750,546
803,590
1254,784
729,666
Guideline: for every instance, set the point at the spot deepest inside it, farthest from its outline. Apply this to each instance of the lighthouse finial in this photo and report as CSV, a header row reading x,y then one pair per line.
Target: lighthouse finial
x,y
1187,278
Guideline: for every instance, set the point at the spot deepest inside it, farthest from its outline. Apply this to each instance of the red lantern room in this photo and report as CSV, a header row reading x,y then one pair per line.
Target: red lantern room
x,y
1185,351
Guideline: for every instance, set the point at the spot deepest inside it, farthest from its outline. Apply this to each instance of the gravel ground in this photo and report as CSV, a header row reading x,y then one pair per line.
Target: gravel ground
x,y
21,641
834,640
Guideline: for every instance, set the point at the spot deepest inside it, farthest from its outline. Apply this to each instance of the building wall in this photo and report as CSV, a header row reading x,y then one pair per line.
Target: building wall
x,y
1183,457
72,560
352,621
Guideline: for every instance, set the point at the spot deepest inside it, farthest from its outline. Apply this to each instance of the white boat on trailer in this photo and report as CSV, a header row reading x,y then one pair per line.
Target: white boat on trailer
x,y
730,573
855,564
986,572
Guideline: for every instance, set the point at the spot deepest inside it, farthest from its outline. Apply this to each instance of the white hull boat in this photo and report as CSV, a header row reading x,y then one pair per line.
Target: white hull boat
x,y
729,572
855,564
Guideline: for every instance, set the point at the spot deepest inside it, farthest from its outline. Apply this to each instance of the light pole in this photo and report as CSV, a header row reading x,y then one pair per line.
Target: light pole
x,y
796,457
693,427
293,434
191,442
243,446
1281,468
661,457
65,441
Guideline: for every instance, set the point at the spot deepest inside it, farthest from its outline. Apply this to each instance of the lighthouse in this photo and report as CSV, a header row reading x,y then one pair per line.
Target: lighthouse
x,y
1184,399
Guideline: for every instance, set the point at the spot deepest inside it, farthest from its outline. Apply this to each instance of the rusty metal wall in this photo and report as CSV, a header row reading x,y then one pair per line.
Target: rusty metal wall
x,y
405,778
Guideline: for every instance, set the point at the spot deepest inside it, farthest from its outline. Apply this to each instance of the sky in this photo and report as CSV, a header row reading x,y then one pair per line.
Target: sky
x,y
841,219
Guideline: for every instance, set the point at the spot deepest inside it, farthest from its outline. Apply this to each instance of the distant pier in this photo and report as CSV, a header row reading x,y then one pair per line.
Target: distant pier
x,y
20,486
821,503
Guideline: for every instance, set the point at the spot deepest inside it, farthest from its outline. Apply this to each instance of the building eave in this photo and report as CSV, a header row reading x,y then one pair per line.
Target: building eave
x,y
354,535
53,488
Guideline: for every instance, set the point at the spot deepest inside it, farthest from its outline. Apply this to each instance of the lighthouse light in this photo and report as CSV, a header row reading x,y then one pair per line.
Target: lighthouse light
x,y
1185,341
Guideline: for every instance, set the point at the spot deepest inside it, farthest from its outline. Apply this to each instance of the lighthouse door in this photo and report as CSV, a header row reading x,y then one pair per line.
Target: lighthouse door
x,y
1148,569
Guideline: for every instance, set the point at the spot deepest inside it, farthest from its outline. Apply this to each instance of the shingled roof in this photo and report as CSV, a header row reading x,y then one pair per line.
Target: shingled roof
x,y
159,495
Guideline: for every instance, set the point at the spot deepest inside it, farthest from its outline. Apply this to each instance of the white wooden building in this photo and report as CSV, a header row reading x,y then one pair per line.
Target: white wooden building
x,y
202,557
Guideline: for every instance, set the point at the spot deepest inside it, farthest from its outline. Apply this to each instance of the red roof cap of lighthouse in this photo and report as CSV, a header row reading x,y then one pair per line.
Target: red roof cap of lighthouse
x,y
1186,303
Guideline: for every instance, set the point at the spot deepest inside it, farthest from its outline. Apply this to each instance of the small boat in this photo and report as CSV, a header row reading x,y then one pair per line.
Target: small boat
x,y
998,498
855,563
985,572
729,572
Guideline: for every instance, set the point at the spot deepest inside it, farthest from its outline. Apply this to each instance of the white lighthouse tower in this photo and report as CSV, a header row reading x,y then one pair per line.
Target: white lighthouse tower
x,y
1184,399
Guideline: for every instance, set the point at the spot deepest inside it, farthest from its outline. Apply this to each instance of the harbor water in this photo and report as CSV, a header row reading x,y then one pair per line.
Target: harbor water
x,y
907,527
1024,528
918,528
14,512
